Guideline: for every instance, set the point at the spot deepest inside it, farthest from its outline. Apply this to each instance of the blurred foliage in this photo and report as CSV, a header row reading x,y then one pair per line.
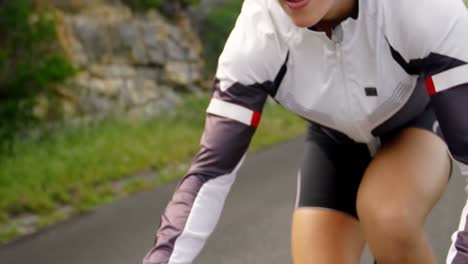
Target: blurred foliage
x,y
167,8
142,5
215,32
30,63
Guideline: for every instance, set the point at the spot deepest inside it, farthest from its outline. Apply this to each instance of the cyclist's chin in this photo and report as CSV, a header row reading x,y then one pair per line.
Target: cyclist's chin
x,y
307,16
304,21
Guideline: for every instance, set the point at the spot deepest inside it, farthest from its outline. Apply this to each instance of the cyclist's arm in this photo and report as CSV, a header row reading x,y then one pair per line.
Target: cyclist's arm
x,y
447,84
196,205
431,39
446,78
246,70
434,41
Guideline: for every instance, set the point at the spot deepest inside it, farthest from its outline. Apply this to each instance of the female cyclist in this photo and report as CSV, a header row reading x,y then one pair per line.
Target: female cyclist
x,y
371,76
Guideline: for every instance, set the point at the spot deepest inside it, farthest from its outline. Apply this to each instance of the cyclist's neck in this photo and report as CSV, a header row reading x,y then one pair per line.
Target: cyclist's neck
x,y
341,11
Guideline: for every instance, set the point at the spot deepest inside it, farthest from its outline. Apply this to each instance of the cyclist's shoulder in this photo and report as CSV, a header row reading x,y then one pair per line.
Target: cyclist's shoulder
x,y
258,44
415,10
418,25
266,19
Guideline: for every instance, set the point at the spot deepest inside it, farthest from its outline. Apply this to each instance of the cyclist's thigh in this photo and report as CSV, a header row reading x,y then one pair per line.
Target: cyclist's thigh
x,y
407,176
325,225
411,169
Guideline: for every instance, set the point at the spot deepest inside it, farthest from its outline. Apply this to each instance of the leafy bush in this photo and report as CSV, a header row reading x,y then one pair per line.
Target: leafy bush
x,y
141,5
215,32
168,8
30,63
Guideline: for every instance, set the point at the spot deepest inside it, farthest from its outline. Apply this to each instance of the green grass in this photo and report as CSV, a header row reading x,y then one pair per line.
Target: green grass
x,y
76,166
8,234
215,31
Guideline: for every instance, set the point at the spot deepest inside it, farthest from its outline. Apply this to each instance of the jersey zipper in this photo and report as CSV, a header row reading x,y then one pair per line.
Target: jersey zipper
x,y
345,88
351,113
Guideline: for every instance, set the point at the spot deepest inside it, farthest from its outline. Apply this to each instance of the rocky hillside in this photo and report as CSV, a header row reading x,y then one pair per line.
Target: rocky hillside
x,y
128,62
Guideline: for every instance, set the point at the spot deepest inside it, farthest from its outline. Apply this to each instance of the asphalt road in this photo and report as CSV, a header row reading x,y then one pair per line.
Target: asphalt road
x,y
254,227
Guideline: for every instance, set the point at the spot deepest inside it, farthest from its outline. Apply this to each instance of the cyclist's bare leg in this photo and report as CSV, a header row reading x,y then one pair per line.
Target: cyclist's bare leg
x,y
325,236
400,187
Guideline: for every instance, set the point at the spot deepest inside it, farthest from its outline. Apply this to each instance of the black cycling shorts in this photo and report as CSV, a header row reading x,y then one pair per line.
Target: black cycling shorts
x,y
334,165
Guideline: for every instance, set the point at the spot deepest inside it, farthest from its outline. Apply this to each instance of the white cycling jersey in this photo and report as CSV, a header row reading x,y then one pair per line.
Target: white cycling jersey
x,y
352,82
376,72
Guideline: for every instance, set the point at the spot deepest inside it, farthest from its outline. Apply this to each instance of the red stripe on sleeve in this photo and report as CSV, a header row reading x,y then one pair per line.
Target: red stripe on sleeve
x,y
430,86
256,119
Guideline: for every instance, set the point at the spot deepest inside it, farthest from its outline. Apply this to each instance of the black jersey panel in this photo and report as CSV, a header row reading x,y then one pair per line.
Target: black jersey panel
x,y
415,105
451,107
251,92
252,96
432,64
279,78
437,63
413,67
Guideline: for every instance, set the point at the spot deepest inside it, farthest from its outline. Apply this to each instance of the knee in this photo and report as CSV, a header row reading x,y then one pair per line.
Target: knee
x,y
389,226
